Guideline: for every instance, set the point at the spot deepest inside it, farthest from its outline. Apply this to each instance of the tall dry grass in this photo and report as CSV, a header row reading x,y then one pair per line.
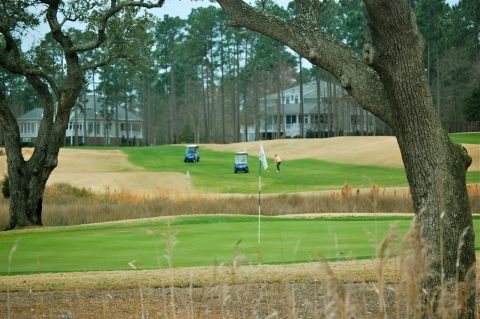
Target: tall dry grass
x,y
66,205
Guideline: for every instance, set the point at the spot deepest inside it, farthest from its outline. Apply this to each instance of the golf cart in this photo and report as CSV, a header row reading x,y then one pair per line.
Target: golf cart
x,y
241,162
192,154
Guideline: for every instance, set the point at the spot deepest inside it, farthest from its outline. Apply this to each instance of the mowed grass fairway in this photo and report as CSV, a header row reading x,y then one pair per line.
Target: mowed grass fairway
x,y
200,241
214,172
466,138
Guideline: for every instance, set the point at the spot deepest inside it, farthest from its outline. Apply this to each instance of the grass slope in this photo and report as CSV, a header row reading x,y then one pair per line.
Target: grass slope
x,y
199,241
466,138
214,172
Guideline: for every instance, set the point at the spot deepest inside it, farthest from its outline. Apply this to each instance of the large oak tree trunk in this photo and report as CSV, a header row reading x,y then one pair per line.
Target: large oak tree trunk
x,y
436,168
27,185
389,81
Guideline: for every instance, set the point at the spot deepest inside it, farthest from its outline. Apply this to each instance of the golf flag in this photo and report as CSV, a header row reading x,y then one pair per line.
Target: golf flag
x,y
262,162
263,158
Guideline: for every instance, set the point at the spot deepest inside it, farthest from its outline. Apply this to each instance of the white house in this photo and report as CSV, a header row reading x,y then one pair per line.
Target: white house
x,y
94,126
334,113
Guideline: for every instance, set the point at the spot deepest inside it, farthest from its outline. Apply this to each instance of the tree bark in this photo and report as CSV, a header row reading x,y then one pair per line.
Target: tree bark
x,y
318,89
390,82
222,88
278,117
257,107
94,90
237,91
301,113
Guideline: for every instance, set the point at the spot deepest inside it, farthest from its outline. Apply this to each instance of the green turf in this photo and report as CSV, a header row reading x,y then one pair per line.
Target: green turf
x,y
215,172
466,138
201,241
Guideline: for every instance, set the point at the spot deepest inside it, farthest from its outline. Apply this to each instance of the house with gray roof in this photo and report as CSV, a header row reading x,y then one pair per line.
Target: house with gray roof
x,y
91,123
328,110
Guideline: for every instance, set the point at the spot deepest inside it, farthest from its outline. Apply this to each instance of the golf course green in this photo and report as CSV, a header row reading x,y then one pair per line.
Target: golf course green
x,y
194,241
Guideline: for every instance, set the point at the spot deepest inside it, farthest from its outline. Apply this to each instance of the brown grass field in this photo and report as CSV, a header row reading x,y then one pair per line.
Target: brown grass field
x,y
353,289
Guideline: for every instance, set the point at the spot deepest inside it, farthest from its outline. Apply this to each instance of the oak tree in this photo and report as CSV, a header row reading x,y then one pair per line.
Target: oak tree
x,y
389,81
58,94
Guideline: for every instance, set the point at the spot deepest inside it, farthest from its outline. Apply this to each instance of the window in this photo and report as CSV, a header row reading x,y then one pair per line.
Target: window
x,y
90,128
291,119
122,126
136,127
296,98
28,128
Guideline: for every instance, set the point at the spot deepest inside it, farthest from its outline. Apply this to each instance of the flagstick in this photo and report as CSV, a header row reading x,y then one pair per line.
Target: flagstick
x,y
259,194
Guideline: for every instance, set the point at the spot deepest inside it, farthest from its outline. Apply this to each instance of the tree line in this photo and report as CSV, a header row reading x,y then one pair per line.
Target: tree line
x,y
198,80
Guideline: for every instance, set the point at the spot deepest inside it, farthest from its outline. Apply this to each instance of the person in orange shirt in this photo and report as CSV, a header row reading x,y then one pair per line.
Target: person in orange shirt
x,y
278,161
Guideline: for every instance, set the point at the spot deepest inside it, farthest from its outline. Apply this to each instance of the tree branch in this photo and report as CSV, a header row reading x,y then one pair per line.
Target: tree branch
x,y
308,10
360,80
10,127
11,59
102,25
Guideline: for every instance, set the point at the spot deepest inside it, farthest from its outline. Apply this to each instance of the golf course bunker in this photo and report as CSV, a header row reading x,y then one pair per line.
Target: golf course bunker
x,y
109,171
104,171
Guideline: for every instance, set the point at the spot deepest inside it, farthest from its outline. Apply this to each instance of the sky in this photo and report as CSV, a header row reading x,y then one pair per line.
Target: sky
x,y
182,8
